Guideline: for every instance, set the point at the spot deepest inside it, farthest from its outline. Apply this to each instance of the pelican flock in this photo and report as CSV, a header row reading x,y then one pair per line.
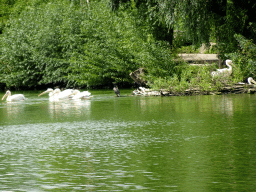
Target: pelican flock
x,y
225,72
16,97
57,94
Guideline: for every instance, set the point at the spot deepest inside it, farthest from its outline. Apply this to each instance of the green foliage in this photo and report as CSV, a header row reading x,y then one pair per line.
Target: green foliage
x,y
46,41
212,50
244,59
13,8
191,77
60,42
5,11
180,39
202,20
188,49
115,47
36,46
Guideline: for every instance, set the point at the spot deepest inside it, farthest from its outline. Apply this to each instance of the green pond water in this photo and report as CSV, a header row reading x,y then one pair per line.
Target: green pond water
x,y
195,143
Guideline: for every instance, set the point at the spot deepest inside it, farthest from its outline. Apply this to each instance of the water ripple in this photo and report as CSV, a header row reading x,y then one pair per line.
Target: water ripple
x,y
77,152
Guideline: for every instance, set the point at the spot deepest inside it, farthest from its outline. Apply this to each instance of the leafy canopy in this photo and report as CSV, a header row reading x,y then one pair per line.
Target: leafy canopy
x,y
60,42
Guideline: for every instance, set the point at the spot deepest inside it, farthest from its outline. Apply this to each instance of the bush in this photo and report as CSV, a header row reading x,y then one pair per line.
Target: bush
x,y
244,59
190,77
36,47
180,39
117,44
59,42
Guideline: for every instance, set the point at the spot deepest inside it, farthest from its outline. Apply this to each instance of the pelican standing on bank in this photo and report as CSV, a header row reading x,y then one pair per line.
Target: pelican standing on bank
x,y
224,71
16,97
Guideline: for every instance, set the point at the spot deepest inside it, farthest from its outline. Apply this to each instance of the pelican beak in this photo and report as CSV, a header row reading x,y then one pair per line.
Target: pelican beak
x,y
5,95
43,93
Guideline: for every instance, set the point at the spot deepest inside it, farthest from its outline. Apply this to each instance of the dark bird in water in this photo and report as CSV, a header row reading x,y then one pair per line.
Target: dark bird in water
x,y
116,90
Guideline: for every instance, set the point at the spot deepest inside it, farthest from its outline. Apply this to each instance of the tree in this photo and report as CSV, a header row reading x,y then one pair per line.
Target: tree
x,y
5,12
73,45
202,20
37,45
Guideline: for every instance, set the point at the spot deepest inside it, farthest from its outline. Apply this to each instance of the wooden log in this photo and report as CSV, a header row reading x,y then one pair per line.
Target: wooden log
x,y
136,76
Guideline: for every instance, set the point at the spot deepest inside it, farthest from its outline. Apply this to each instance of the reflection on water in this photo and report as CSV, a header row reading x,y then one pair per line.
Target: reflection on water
x,y
202,143
223,105
14,109
63,108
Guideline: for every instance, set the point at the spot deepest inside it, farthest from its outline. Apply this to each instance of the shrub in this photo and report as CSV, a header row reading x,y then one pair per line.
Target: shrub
x,y
244,59
59,42
190,77
37,45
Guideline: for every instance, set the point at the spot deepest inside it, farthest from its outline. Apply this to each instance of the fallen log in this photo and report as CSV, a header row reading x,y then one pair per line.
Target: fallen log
x,y
136,76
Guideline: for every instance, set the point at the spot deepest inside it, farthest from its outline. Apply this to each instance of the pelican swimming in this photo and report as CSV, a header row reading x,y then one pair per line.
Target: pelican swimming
x,y
116,90
62,94
76,94
224,71
251,81
52,95
16,97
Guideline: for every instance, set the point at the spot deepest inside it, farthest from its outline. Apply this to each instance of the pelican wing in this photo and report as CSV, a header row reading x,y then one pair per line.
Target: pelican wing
x,y
82,95
16,97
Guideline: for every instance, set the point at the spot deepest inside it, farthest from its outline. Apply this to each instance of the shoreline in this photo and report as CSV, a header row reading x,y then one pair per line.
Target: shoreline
x,y
228,89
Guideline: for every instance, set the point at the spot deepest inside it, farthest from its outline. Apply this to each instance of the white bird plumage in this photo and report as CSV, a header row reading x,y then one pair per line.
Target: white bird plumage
x,y
52,96
62,94
57,94
251,81
225,71
76,94
16,97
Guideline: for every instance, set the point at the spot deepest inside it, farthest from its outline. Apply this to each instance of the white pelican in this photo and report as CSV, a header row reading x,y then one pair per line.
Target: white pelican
x,y
16,97
52,96
224,71
116,90
251,81
62,94
76,94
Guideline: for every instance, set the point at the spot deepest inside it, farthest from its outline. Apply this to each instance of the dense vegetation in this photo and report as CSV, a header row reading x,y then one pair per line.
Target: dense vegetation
x,y
76,44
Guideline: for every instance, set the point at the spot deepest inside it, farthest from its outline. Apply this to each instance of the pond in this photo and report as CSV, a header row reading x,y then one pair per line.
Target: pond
x,y
128,143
